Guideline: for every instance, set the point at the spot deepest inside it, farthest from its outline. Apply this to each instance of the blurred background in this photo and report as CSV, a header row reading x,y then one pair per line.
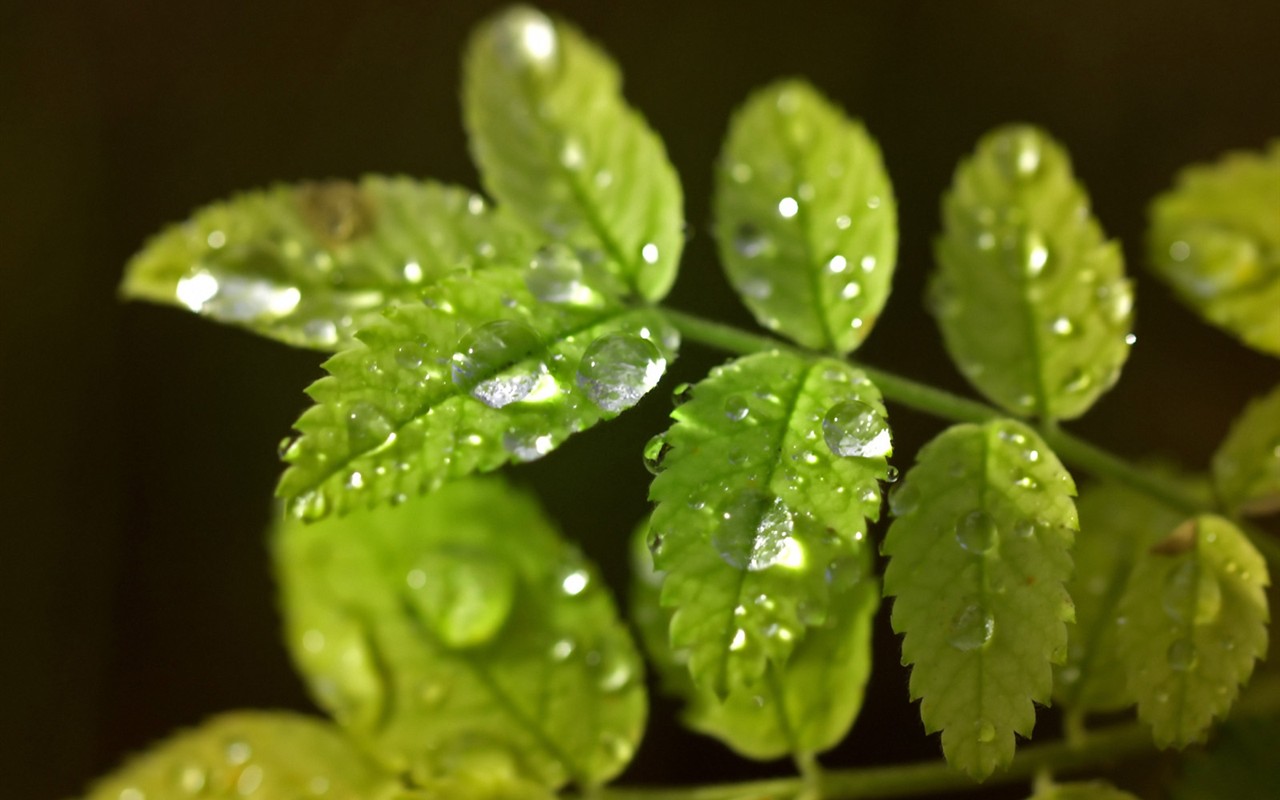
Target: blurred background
x,y
138,444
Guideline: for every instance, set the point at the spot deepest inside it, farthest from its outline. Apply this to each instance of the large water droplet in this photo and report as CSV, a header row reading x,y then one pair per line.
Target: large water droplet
x,y
491,362
618,369
1182,655
235,298
464,596
856,430
1191,595
976,532
736,408
971,628
526,40
756,533
555,275
368,429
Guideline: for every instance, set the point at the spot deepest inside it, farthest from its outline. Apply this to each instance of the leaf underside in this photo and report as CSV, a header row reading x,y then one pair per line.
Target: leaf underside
x,y
1031,298
481,374
1246,466
558,146
1196,615
806,220
979,553
806,706
309,264
1215,238
460,634
757,518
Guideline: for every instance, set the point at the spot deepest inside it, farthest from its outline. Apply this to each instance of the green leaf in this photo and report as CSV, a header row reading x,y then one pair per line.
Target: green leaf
x,y
1195,621
1117,525
460,634
805,218
557,145
758,518
310,264
267,755
1241,763
1246,468
1031,298
1090,790
1215,238
979,552
478,786
479,375
805,706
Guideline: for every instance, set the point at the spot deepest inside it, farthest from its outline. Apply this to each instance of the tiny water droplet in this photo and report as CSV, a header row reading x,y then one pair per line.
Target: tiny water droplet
x,y
1062,326
853,429
971,628
527,443
555,275
526,40
891,474
410,355
575,582
487,362
562,649
618,369
1182,655
192,778
788,207
837,264
749,241
649,253
1018,153
976,532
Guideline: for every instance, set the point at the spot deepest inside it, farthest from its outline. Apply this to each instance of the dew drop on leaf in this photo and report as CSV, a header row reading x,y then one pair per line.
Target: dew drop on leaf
x,y
618,369
976,532
487,362
756,534
655,450
736,408
854,429
986,732
971,628
367,428
1191,595
555,275
526,443
527,40
464,597
1182,655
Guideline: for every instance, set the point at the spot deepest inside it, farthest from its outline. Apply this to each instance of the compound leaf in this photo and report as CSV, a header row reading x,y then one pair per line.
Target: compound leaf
x,y
309,264
1089,790
557,145
1195,614
1215,238
805,218
458,634
1117,525
763,497
480,374
979,552
1241,763
805,706
1031,298
268,755
1246,468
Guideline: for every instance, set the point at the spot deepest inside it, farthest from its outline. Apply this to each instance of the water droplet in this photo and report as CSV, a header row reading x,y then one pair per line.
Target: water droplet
x,y
736,408
986,732
1062,326
555,275
1025,528
1018,153
410,355
618,369
757,287
788,207
368,429
655,450
236,298
904,499
1182,655
843,222
465,597
891,474
976,532
618,748
756,533
649,253
526,40
238,752
1191,595
971,628
749,241
868,263
615,675
487,363
851,290
856,430
249,781
1078,381
527,443
837,264
575,582
562,649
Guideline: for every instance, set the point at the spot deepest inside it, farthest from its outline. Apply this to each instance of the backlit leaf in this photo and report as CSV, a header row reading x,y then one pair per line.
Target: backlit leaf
x,y
1215,238
1031,298
979,552
310,264
1195,616
459,634
806,220
273,755
557,145
481,374
762,500
805,706
1246,468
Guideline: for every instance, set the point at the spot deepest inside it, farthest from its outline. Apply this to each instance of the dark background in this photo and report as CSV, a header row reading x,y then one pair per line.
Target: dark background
x,y
138,443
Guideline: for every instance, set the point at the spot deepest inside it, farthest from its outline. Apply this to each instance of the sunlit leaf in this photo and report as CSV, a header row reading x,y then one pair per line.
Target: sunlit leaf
x,y
557,144
1246,468
479,375
460,634
806,220
1091,790
979,552
763,498
265,755
1241,763
1195,616
1031,297
1215,238
312,263
805,706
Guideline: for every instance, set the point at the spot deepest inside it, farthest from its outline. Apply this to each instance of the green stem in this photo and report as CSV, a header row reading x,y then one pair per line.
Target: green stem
x,y
941,403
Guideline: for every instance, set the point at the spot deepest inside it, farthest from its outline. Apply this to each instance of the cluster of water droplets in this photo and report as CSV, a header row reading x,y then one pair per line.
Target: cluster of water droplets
x,y
234,771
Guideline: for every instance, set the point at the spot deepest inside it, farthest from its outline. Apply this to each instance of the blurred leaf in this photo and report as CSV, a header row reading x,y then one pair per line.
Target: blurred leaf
x,y
1215,238
1031,298
806,220
1246,468
979,552
479,375
806,706
460,635
310,264
557,145
1241,764
272,755
759,520
1195,616
1091,790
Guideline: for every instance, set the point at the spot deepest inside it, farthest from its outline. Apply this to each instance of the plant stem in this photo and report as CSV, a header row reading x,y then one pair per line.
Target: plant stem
x,y
941,403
